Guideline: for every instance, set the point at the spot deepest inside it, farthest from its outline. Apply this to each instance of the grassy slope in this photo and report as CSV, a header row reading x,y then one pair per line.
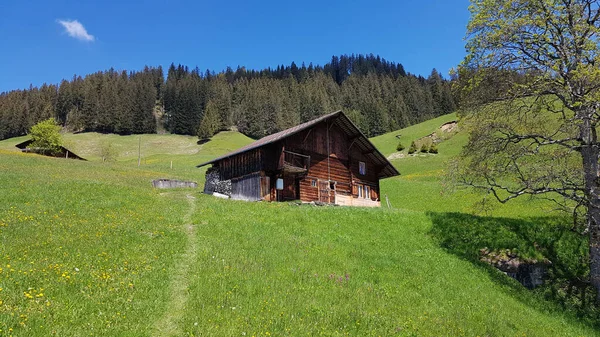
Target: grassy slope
x,y
420,185
115,257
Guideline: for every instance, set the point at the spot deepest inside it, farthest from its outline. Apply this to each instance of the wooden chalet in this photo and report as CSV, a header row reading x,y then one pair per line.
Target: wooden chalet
x,y
325,160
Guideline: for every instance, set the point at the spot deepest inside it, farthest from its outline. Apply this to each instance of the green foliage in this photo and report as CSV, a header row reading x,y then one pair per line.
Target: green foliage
x,y
534,239
108,152
413,148
357,118
46,137
400,147
433,148
210,122
540,137
378,95
424,148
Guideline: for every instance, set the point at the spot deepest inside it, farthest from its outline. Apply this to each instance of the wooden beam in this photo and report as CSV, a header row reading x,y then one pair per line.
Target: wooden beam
x,y
330,125
306,137
353,141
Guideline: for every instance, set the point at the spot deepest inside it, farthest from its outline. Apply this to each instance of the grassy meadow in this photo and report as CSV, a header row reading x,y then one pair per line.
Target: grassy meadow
x,y
90,248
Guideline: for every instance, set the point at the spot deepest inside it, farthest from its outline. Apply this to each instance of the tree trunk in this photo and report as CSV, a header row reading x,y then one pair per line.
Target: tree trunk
x,y
589,153
594,231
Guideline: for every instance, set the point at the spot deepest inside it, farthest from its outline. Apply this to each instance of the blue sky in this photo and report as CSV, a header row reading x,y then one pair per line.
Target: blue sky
x,y
37,48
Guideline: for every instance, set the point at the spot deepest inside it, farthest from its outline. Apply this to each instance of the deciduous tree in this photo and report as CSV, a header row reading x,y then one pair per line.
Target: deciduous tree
x,y
540,137
46,137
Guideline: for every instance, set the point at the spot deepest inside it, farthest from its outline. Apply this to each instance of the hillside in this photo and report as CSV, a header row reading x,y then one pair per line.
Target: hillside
x,y
90,247
379,95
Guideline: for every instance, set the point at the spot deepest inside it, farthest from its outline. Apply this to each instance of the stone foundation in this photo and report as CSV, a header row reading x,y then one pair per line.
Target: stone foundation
x,y
171,183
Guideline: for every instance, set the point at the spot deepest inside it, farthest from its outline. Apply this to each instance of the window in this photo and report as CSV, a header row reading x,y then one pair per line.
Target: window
x,y
364,191
332,185
362,168
313,183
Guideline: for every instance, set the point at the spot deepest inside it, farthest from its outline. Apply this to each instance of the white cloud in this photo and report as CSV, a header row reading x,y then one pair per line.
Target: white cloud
x,y
75,29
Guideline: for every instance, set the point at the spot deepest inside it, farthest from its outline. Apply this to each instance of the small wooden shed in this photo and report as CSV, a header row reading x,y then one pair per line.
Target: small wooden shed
x,y
63,153
327,160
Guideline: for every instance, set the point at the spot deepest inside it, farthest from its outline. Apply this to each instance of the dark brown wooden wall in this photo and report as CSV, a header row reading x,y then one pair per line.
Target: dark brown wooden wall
x,y
343,162
342,166
315,141
371,177
240,165
338,171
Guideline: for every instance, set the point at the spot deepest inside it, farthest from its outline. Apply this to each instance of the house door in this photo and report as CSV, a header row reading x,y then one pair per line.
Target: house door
x,y
326,194
289,188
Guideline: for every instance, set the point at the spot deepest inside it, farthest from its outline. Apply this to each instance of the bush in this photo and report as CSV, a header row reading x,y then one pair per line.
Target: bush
x,y
413,148
108,152
46,137
424,148
400,147
433,149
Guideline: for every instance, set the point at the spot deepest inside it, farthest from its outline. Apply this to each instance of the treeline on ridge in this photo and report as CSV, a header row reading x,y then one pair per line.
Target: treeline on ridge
x,y
378,95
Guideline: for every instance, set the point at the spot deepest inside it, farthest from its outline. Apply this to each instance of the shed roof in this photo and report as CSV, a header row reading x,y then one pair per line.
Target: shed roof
x,y
24,147
342,121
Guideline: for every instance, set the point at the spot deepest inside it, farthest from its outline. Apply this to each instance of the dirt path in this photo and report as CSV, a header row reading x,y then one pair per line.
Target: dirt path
x,y
168,324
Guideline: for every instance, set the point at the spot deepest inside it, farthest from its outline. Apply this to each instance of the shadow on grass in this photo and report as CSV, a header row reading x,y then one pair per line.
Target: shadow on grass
x,y
551,238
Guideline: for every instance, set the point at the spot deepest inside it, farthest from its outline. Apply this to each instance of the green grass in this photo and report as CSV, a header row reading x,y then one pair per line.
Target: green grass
x,y
81,250
116,257
387,143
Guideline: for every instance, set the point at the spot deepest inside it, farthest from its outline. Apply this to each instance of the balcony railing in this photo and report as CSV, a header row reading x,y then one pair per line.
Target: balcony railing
x,y
295,162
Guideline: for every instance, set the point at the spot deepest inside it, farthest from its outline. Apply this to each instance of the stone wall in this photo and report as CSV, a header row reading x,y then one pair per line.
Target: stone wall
x,y
170,183
529,272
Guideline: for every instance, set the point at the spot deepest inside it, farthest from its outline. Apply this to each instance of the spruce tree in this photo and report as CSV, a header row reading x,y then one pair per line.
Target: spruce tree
x,y
210,122
413,148
379,94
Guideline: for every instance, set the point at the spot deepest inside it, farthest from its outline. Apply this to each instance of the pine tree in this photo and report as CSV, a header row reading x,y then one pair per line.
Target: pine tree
x,y
379,94
210,122
433,149
413,148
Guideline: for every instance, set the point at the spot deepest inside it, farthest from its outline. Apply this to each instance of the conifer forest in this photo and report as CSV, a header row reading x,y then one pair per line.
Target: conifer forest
x,y
378,95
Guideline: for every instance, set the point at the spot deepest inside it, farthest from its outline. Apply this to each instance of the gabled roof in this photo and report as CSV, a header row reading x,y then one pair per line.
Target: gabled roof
x,y
343,122
24,146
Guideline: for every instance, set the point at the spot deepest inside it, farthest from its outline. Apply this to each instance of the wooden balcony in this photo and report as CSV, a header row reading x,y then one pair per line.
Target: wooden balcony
x,y
295,163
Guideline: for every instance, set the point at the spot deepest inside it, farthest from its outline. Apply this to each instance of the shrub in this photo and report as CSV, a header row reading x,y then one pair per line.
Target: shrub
x,y
424,148
400,147
46,137
413,148
108,152
433,148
